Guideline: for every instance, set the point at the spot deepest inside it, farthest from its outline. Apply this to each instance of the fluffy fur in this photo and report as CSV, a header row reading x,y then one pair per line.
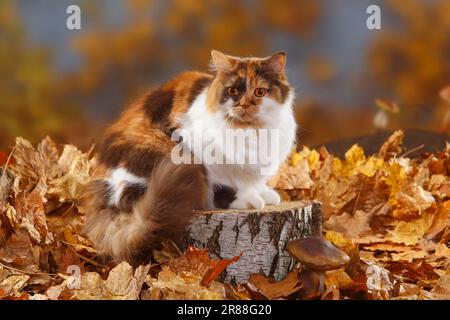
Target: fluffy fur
x,y
138,196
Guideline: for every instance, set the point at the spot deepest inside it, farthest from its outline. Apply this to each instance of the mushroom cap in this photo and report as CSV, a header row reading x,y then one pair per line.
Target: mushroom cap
x,y
389,106
317,253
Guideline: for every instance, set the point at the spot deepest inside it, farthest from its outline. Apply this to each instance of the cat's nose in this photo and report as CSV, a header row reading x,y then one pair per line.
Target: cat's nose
x,y
244,106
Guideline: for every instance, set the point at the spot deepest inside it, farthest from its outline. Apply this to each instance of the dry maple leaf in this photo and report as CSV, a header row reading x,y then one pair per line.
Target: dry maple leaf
x,y
36,163
261,286
74,166
13,284
184,285
415,271
216,270
411,232
31,212
353,226
197,261
338,279
441,220
123,283
393,146
18,252
381,284
71,259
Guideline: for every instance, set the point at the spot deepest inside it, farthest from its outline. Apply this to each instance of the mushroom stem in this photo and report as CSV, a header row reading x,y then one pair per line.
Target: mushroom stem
x,y
380,120
313,284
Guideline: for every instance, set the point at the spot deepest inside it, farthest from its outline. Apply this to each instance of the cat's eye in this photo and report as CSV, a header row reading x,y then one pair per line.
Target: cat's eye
x,y
233,91
260,92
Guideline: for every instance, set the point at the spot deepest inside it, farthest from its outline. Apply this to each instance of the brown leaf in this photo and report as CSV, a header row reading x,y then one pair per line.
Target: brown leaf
x,y
283,289
216,270
380,282
197,261
185,285
338,279
31,213
123,283
13,284
393,145
18,251
353,226
417,270
70,259
441,220
74,165
35,164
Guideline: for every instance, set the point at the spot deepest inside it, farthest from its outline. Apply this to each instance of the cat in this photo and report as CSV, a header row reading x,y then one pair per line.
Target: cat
x,y
138,195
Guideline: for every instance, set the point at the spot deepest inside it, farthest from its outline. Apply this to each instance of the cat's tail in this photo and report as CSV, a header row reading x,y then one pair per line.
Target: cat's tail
x,y
163,211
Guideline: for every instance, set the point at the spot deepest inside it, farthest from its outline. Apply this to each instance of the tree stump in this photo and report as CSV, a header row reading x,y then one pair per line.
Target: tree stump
x,y
260,235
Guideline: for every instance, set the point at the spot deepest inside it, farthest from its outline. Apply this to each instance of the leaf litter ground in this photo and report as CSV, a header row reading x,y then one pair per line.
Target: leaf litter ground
x,y
388,212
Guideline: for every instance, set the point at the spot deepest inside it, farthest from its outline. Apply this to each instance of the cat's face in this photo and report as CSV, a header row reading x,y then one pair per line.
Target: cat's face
x,y
248,91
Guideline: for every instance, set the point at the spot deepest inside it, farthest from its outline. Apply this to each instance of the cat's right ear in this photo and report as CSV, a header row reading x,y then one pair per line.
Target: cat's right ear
x,y
220,61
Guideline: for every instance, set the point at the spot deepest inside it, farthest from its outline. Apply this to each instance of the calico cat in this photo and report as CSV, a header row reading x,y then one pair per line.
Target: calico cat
x,y
139,196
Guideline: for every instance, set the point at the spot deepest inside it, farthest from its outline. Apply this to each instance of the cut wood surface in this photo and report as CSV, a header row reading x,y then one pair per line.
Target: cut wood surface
x,y
260,235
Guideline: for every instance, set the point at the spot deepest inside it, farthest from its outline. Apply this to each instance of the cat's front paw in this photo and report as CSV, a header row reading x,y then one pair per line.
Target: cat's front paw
x,y
248,201
271,196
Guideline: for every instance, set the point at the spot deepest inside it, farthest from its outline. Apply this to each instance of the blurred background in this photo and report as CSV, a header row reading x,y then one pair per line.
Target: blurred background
x,y
71,83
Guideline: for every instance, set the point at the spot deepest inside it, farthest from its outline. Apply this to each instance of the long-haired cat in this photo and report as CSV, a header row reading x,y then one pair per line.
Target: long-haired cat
x,y
139,196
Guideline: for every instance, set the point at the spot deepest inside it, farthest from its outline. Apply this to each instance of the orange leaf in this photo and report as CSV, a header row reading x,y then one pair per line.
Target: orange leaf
x,y
215,271
198,262
71,258
275,290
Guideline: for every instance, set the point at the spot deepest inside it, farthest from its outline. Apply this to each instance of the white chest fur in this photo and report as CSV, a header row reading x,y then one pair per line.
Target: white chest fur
x,y
280,127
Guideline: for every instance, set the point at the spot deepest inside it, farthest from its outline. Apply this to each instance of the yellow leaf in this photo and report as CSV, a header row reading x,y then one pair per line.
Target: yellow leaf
x,y
411,232
371,166
355,156
339,279
395,177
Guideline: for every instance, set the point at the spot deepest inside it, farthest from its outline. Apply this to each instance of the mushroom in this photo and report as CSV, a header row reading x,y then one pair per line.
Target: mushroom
x,y
381,119
318,255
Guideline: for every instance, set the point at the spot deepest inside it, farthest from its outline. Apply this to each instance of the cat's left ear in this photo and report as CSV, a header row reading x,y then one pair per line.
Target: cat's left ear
x,y
277,62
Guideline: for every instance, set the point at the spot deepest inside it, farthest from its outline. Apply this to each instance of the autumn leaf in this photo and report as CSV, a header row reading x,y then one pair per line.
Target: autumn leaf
x,y
36,163
184,285
215,271
283,289
338,279
71,259
412,231
74,165
353,226
123,283
393,146
197,261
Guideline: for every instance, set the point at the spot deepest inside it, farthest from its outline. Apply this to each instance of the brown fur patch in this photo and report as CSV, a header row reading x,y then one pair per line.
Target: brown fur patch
x,y
163,211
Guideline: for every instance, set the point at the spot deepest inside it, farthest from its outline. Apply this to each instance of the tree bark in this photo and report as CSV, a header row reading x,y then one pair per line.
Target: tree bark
x,y
259,234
